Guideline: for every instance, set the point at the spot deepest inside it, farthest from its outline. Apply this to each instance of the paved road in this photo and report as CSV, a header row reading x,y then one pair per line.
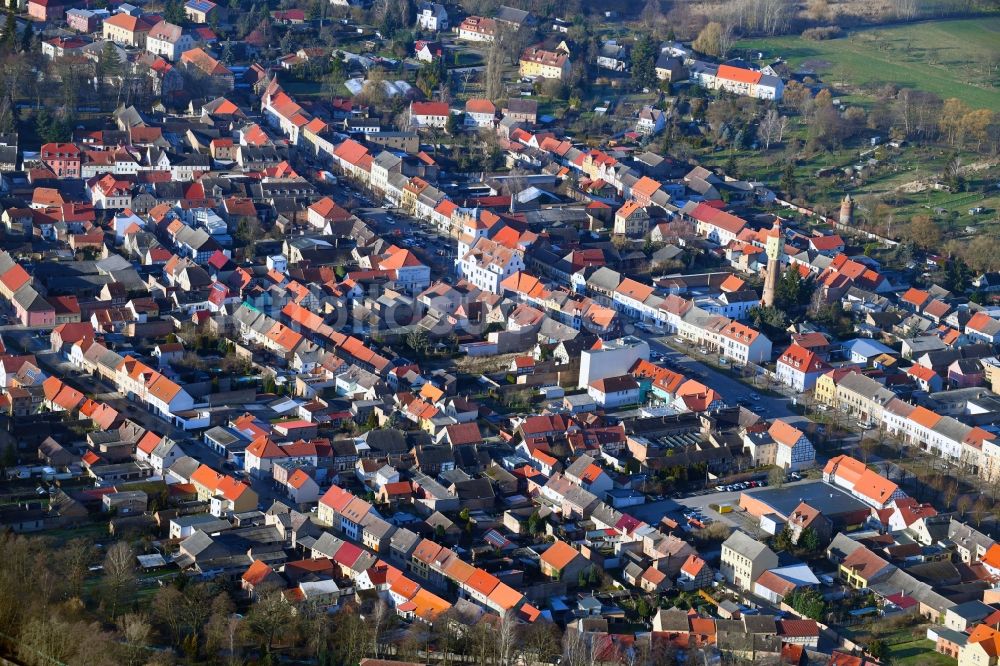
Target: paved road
x,y
732,390
56,366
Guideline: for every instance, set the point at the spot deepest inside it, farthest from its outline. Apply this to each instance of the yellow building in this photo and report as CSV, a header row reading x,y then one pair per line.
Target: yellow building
x,y
536,62
126,30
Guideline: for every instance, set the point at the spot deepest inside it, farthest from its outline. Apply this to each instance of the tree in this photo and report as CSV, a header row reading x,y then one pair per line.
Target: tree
x,y
878,649
268,617
493,72
771,128
644,56
9,32
119,574
788,179
808,603
924,232
776,477
809,540
417,340
27,37
135,631
709,40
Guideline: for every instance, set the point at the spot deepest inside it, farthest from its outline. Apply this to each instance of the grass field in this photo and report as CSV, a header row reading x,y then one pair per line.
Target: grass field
x,y
918,653
948,58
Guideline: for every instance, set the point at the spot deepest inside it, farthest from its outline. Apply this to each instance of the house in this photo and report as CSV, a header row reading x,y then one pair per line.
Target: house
x,y
168,40
862,567
477,29
865,484
744,559
432,16
563,562
536,62
198,60
200,11
64,159
670,68
521,111
613,56
614,392
429,114
126,30
480,113
46,10
799,368
982,648
983,328
651,121
695,574
793,450
631,220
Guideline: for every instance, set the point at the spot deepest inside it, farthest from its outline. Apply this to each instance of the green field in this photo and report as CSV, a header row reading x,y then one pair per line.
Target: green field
x,y
918,653
948,58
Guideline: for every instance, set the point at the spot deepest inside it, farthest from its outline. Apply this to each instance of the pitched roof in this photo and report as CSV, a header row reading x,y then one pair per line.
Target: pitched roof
x,y
559,555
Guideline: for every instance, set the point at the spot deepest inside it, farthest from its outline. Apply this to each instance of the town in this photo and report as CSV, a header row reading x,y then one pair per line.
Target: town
x,y
395,333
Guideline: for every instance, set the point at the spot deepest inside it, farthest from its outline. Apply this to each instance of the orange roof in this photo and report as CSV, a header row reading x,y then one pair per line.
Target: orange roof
x,y
738,74
732,283
559,555
646,186
257,572
482,582
921,372
693,565
263,447
480,106
992,556
988,638
924,417
915,296
505,597
207,477
784,433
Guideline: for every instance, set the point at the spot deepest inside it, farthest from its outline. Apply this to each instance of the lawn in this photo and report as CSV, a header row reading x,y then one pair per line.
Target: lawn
x,y
918,653
948,58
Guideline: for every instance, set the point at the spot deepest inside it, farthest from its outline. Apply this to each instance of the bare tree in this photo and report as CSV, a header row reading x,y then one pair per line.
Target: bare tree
x,y
376,623
904,9
119,573
493,73
727,39
770,128
268,617
135,630
578,648
506,637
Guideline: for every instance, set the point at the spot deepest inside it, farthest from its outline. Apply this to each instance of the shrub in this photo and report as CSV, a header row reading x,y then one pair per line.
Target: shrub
x,y
822,33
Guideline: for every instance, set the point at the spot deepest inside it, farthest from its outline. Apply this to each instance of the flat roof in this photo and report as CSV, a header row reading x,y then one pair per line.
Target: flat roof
x,y
827,499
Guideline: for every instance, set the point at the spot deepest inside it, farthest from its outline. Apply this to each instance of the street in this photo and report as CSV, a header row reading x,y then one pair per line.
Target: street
x,y
733,391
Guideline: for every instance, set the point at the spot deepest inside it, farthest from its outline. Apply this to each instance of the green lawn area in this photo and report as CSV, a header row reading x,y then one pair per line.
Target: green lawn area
x,y
947,58
918,653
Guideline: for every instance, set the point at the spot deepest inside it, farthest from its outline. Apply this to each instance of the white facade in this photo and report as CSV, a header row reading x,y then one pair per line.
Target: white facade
x,y
611,359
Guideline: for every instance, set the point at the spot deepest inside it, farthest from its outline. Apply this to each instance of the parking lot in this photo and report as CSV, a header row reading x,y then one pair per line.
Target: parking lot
x,y
734,518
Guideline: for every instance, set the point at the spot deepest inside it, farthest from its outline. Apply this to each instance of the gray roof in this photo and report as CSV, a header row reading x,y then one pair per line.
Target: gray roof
x,y
743,543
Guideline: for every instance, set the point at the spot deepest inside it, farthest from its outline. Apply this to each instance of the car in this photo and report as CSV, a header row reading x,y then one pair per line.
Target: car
x,y
678,341
720,488
723,361
755,397
702,350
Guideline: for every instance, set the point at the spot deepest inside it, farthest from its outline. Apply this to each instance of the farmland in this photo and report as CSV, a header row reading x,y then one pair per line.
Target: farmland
x,y
949,58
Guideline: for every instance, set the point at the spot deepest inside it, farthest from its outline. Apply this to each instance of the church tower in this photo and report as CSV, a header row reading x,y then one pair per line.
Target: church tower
x,y
773,247
847,211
